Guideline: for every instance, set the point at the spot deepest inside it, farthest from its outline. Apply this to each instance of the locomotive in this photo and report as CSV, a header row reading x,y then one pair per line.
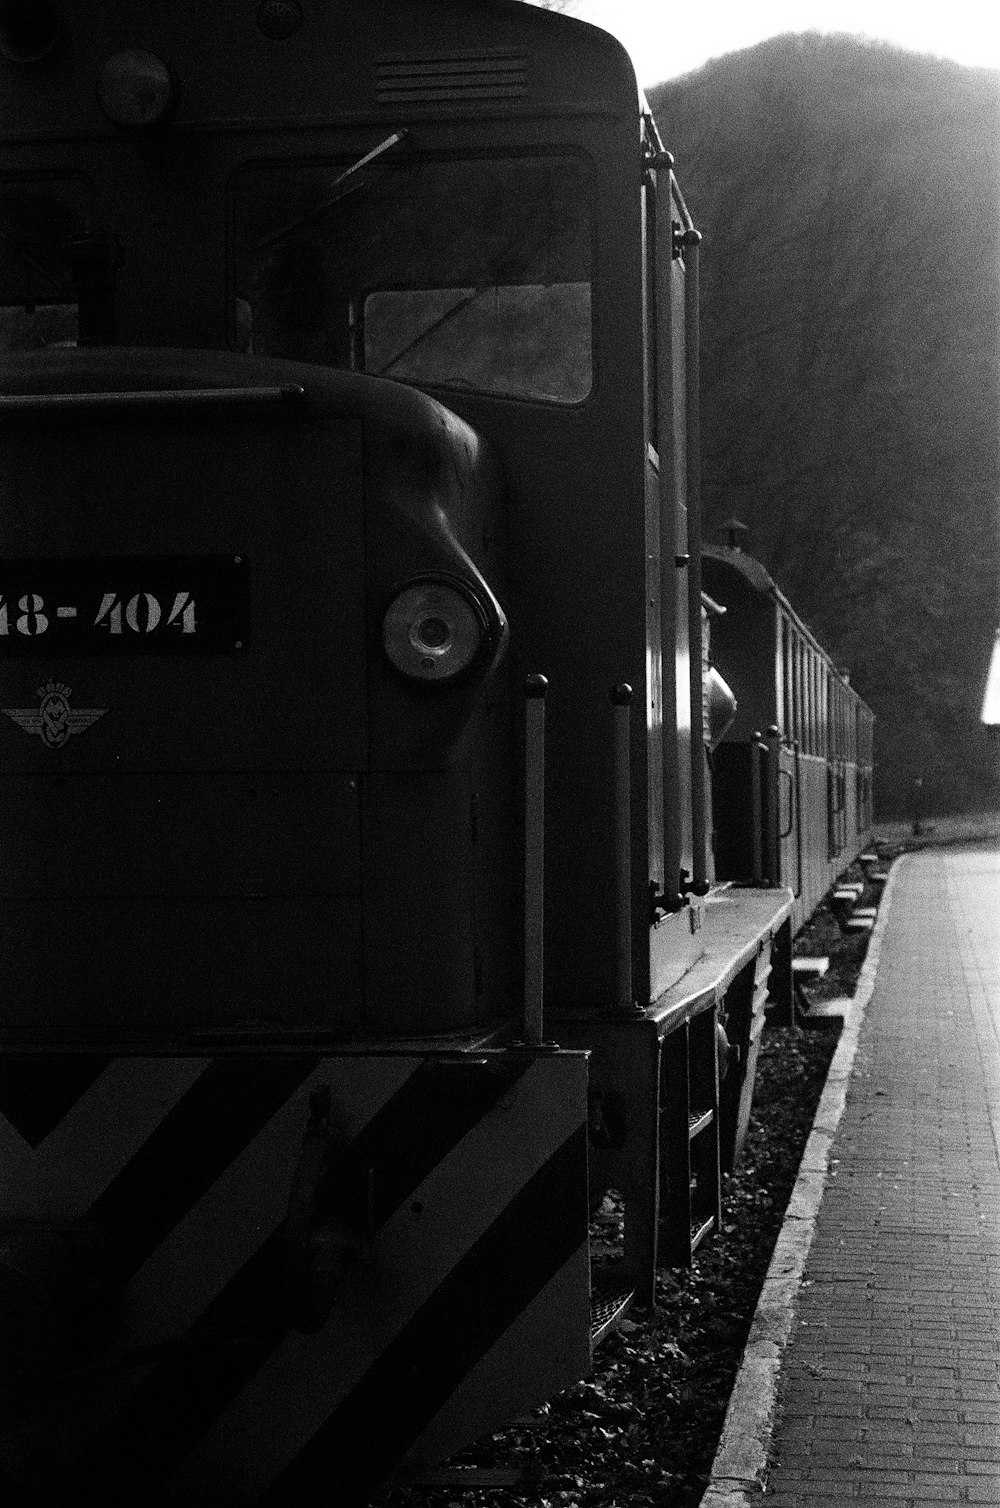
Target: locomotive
x,y
349,404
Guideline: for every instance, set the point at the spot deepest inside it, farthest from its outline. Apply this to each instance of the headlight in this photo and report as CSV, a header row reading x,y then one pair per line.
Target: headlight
x,y
136,89
434,631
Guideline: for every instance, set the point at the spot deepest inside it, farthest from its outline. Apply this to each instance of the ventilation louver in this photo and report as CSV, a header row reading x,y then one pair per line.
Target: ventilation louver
x,y
449,77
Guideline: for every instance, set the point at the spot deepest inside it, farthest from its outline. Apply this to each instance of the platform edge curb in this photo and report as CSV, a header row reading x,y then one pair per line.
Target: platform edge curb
x,y
739,1469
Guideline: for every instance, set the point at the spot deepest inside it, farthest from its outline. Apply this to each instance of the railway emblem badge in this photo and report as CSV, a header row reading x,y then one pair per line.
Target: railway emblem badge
x,y
54,720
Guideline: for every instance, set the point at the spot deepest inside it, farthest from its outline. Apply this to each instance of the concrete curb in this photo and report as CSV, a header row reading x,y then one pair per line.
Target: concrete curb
x,y
740,1465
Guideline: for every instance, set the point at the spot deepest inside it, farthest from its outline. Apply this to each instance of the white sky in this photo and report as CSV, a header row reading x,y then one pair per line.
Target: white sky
x,y
669,37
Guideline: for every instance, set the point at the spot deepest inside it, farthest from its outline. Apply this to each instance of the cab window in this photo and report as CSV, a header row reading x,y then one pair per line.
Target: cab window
x,y
471,273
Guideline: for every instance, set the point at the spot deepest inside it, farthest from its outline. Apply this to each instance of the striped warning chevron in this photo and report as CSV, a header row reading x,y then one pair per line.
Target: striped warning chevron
x,y
473,1305
37,1093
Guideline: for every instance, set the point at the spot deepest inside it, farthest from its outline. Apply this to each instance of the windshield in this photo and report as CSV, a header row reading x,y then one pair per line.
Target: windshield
x,y
471,273
38,219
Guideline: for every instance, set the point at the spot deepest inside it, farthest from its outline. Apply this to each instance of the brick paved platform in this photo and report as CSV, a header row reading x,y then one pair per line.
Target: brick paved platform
x,y
889,1380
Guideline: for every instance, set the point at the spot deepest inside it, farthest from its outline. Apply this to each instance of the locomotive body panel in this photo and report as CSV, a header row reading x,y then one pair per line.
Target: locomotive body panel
x,y
247,784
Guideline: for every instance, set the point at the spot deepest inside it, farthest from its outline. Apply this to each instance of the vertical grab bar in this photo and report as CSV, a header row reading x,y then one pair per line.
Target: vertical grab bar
x,y
773,867
756,815
621,702
798,820
535,688
691,240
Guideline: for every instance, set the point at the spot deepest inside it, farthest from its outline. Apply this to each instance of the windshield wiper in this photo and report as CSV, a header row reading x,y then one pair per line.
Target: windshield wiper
x,y
340,186
442,319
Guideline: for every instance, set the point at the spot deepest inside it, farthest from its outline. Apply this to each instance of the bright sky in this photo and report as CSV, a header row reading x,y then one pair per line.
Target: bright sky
x,y
669,37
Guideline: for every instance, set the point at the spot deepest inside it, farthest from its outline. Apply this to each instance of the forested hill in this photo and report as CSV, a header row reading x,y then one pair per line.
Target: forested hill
x,y
849,197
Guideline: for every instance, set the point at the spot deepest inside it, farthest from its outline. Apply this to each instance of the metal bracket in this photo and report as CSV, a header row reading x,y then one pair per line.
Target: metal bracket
x,y
654,158
683,239
661,904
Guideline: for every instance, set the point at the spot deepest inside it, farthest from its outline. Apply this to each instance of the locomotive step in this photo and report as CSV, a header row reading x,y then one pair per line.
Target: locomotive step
x,y
871,864
810,968
699,1121
807,971
826,1012
859,924
609,1305
701,1229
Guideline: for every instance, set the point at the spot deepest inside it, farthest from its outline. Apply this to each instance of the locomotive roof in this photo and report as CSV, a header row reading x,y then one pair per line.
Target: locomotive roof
x,y
749,568
411,59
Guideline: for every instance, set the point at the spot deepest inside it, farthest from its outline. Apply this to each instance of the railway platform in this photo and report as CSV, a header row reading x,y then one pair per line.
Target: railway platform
x,y
872,1371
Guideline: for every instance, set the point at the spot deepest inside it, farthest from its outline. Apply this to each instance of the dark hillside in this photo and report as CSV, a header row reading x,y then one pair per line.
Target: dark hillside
x,y
849,195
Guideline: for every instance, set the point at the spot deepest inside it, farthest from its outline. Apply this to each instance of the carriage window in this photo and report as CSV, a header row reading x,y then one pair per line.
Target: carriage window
x,y
38,219
472,274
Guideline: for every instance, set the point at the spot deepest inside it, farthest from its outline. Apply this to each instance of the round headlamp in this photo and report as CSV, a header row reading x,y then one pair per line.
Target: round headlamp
x,y
433,631
136,89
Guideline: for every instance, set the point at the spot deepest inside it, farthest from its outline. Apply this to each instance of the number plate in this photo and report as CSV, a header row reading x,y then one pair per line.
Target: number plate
x,y
130,605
